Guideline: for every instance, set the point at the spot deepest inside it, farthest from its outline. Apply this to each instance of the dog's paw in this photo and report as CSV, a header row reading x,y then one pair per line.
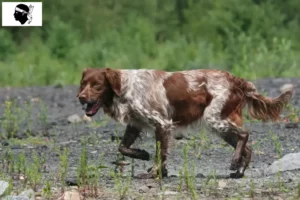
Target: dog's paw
x,y
236,175
143,155
236,164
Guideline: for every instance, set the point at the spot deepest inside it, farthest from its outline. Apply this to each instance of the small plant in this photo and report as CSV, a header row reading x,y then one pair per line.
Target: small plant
x,y
63,166
33,172
83,166
21,163
205,143
189,177
27,117
11,120
43,115
121,186
252,189
276,143
47,193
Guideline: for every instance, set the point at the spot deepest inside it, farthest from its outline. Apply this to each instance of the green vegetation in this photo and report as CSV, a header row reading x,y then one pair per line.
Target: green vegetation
x,y
252,39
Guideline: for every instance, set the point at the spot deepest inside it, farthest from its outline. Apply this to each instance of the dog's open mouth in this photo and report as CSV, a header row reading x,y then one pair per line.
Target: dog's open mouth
x,y
92,108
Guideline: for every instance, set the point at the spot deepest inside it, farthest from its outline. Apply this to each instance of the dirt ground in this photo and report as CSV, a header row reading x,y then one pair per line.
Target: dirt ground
x,y
202,174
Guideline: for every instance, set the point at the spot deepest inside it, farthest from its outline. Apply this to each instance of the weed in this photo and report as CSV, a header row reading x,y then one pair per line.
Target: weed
x,y
82,169
179,187
205,143
276,143
252,189
27,117
189,177
11,120
63,166
94,171
121,186
43,115
211,183
21,163
33,172
47,193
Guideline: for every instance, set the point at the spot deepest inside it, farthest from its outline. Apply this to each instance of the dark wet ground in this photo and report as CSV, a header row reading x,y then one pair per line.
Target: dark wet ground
x,y
207,153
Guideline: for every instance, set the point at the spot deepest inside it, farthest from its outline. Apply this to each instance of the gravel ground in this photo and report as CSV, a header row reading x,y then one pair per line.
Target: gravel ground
x,y
51,107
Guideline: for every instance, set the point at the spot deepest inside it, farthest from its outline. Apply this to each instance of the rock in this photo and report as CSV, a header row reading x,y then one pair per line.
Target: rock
x,y
3,187
28,193
58,86
16,198
222,183
71,181
5,143
286,87
288,162
143,189
291,125
168,193
68,195
200,175
74,119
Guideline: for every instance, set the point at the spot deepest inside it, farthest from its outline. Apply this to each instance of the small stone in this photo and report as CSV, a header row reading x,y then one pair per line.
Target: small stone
x,y
71,181
16,146
35,100
28,193
5,143
58,86
143,189
74,195
9,197
3,187
222,183
74,119
93,152
200,175
168,193
291,125
286,87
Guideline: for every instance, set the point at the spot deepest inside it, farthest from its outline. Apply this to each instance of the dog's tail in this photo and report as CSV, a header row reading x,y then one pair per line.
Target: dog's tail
x,y
260,107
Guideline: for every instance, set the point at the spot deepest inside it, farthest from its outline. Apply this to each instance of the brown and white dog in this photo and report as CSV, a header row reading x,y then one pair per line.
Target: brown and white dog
x,y
164,101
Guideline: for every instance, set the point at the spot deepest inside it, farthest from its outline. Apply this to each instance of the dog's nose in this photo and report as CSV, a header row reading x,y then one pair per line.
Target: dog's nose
x,y
82,98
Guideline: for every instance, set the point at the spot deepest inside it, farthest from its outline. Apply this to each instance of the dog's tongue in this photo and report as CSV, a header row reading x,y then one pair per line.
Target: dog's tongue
x,y
91,109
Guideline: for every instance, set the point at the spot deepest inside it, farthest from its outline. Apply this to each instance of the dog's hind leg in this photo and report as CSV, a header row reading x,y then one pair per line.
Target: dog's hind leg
x,y
230,132
131,134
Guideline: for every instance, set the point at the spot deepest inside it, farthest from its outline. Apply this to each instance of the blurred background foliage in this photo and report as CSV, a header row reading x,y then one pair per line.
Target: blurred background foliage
x,y
251,38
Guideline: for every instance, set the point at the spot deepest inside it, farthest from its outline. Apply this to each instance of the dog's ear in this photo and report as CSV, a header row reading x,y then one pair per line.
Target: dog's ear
x,y
85,70
114,79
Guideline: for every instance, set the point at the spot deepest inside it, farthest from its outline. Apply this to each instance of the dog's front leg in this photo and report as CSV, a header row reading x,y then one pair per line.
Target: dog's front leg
x,y
161,136
131,134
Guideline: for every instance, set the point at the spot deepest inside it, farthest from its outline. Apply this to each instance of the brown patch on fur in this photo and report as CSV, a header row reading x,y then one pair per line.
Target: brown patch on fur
x,y
188,105
114,78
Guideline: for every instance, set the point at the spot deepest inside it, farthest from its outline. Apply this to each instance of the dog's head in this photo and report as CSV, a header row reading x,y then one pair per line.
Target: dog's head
x,y
97,87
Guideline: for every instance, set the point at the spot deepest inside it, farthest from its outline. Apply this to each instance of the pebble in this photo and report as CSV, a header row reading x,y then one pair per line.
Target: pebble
x,y
143,189
74,119
74,195
28,193
3,187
